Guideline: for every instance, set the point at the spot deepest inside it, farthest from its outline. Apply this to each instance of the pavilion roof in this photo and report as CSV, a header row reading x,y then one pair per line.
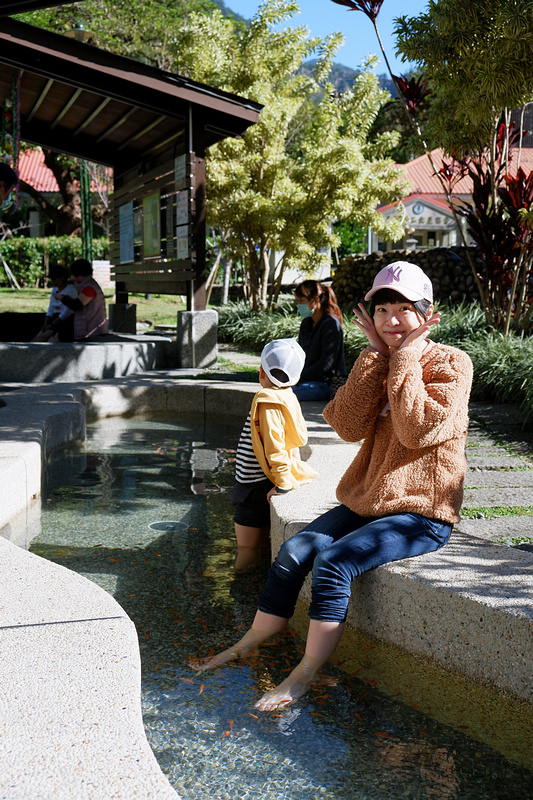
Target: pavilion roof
x,y
87,102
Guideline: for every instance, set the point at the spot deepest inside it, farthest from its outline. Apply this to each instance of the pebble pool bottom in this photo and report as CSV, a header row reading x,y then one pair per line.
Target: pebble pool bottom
x,y
144,512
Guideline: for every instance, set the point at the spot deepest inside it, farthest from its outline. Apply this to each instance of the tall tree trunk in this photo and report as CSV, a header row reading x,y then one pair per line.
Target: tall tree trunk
x,y
254,279
225,286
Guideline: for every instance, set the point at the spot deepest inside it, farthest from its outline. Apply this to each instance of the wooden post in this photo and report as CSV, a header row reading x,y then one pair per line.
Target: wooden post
x,y
196,139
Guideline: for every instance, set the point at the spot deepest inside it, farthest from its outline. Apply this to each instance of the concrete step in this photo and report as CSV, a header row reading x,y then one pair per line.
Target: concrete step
x,y
522,496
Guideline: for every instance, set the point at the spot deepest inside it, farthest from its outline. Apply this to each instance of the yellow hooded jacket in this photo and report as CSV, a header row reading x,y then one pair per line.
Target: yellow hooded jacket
x,y
278,430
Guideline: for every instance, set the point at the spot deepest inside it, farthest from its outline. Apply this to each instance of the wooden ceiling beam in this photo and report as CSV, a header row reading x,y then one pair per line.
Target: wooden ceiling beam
x,y
92,116
124,118
66,108
38,103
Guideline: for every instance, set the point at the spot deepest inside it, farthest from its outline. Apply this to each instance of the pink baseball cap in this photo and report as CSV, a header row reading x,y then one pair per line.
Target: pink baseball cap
x,y
405,278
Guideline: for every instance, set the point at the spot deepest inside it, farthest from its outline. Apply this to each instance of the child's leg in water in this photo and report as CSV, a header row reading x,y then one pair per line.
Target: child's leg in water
x,y
249,543
263,626
322,641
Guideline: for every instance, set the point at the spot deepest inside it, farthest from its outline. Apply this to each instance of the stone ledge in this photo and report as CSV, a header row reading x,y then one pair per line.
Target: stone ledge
x,y
104,357
71,723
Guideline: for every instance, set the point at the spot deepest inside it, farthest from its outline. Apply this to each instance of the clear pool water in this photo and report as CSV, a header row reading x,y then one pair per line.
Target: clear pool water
x,y
145,514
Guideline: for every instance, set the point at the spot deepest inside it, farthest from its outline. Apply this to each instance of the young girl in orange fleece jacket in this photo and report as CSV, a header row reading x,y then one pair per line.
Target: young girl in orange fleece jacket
x,y
406,400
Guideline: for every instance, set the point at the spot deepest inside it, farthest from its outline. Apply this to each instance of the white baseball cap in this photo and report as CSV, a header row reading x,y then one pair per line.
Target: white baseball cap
x,y
286,355
405,278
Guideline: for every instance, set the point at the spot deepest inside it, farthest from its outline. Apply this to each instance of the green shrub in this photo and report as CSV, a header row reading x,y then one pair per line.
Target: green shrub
x,y
238,324
29,258
503,369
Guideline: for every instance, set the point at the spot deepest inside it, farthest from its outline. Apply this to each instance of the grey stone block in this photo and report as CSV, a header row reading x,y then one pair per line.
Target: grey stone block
x,y
122,317
498,529
503,461
231,401
197,338
498,478
186,399
98,359
74,671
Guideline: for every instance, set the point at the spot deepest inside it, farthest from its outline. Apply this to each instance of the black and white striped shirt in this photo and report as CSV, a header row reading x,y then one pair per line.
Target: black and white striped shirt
x,y
247,468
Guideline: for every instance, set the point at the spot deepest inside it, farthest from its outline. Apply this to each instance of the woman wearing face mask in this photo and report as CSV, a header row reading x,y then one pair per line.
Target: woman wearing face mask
x,y
89,307
321,338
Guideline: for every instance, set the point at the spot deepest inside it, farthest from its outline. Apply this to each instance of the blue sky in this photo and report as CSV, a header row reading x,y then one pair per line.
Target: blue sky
x,y
323,17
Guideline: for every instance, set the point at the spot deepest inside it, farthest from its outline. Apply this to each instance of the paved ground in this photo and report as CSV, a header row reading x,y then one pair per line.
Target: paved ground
x,y
231,352
499,480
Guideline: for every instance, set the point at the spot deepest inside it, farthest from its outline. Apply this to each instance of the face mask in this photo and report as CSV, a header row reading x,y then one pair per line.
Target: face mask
x,y
6,203
304,310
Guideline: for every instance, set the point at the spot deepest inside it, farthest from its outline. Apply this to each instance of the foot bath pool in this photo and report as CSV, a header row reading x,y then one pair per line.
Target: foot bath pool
x,y
144,512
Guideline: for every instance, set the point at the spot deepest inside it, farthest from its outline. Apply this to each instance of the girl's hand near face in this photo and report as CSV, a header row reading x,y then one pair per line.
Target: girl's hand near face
x,y
418,338
365,323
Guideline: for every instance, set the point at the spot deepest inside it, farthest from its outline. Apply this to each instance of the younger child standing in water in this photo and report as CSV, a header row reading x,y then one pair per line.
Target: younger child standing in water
x,y
268,461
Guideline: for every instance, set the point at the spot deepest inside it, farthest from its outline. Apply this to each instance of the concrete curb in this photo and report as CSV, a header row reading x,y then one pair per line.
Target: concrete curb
x,y
81,361
71,723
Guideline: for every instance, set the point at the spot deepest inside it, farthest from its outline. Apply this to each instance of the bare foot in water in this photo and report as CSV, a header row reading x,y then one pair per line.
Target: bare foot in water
x,y
264,626
239,650
248,645
291,688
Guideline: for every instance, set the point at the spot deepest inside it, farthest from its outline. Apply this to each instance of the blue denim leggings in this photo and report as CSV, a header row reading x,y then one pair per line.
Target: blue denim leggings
x,y
337,547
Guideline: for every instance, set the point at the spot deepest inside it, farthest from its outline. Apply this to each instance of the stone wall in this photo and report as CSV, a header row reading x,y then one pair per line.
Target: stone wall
x,y
447,267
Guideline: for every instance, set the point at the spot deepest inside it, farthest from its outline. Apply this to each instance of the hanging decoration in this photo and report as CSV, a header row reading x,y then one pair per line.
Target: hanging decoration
x,y
86,211
10,127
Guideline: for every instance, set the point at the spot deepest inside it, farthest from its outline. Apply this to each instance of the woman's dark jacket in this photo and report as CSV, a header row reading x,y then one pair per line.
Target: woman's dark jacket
x,y
323,345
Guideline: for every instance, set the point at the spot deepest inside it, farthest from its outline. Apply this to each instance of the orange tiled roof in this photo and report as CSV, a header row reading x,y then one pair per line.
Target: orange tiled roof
x,y
423,181
33,170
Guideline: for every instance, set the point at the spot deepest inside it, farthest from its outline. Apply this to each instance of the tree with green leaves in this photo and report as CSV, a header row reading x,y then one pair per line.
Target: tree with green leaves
x,y
478,58
353,239
306,163
66,217
139,29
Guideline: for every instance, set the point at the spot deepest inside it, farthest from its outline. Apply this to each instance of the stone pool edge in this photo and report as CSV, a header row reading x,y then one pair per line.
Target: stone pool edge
x,y
468,618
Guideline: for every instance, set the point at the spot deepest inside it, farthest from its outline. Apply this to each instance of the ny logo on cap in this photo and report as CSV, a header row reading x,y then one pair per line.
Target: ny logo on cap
x,y
393,274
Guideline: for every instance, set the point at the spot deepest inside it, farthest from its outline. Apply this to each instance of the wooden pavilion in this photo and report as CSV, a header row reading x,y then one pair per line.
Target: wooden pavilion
x,y
152,127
